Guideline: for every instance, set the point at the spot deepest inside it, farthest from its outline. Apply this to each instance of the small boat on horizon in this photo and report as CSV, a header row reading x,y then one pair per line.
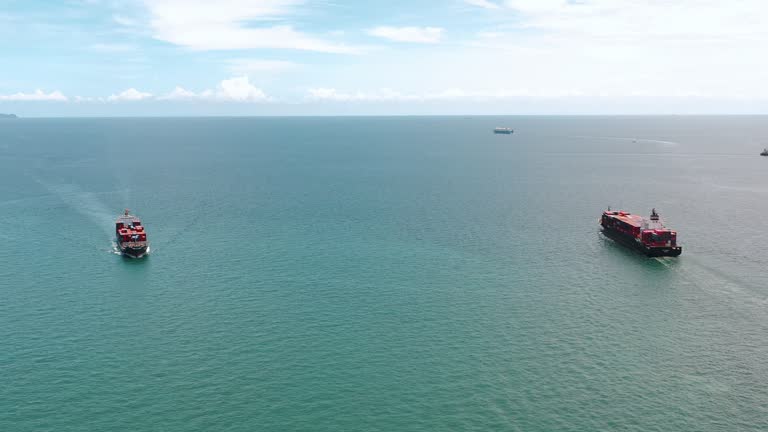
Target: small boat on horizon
x,y
764,152
130,235
503,130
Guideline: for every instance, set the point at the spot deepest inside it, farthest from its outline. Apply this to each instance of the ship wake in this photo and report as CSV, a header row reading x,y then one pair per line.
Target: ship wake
x,y
83,202
715,281
633,140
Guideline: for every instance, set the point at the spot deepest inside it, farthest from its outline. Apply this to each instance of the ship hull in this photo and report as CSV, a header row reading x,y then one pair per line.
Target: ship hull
x,y
133,251
670,251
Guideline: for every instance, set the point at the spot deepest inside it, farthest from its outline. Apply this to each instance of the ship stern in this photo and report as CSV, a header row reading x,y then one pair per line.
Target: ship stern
x,y
135,250
673,251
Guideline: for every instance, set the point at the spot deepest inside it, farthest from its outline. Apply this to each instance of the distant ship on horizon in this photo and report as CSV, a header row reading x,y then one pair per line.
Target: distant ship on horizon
x,y
764,152
503,130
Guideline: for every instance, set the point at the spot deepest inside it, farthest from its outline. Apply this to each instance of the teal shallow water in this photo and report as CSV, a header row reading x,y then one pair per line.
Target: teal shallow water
x,y
412,274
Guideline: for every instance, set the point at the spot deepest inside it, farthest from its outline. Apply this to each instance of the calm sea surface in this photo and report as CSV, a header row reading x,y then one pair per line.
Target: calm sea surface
x,y
382,274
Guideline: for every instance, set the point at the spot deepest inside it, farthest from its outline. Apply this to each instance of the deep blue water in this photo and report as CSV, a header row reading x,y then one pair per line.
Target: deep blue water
x,y
382,274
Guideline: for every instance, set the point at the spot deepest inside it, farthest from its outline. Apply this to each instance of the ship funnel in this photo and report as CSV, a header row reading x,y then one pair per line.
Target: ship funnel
x,y
654,215
126,212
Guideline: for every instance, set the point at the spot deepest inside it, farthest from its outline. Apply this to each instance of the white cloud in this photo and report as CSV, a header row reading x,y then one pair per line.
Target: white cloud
x,y
237,89
623,48
331,94
81,99
37,95
124,21
129,95
227,25
179,93
453,94
112,48
408,34
539,5
248,66
646,18
482,3
240,89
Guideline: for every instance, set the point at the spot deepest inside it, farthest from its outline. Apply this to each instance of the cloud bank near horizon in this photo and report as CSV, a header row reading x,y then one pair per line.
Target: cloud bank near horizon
x,y
299,52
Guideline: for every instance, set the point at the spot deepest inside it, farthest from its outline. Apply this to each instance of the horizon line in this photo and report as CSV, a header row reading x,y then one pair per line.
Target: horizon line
x,y
20,117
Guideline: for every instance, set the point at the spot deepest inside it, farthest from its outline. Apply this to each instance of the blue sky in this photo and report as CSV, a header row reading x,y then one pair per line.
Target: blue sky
x,y
337,57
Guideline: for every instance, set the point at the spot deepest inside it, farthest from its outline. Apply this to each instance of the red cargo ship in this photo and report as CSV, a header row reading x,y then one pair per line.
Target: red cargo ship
x,y
131,237
650,236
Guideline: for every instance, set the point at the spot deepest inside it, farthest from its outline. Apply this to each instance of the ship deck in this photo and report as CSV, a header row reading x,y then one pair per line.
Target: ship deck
x,y
631,219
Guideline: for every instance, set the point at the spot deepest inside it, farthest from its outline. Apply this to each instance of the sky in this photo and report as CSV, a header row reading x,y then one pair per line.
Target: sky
x,y
344,57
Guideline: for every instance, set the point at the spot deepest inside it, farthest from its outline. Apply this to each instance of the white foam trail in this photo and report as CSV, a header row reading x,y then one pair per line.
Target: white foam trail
x,y
635,140
717,282
667,143
83,202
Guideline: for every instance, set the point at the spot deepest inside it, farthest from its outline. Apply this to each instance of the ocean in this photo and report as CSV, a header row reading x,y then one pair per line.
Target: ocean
x,y
382,274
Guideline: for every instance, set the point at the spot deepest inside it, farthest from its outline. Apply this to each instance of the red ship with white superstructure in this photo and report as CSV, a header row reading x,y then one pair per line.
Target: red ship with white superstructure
x,y
131,237
650,236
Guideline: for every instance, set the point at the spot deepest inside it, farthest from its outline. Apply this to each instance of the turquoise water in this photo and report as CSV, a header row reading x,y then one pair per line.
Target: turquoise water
x,y
382,274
